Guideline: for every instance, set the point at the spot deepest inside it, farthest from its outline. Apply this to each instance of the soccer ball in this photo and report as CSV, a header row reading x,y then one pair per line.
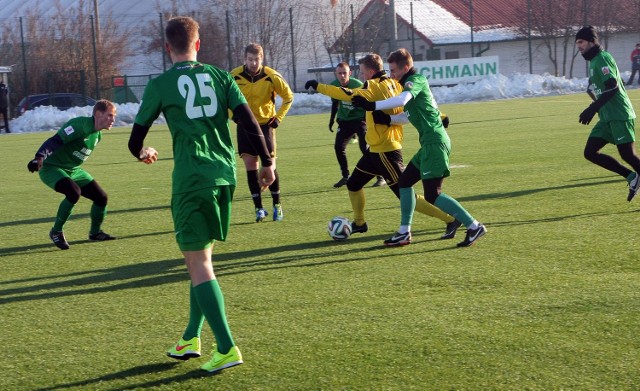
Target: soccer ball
x,y
339,228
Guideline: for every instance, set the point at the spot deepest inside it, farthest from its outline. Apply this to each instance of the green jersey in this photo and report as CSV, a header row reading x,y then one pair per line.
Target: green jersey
x,y
346,111
423,111
79,138
195,99
601,68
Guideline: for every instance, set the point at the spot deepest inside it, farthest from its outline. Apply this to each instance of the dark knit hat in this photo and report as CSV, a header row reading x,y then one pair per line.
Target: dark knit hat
x,y
588,33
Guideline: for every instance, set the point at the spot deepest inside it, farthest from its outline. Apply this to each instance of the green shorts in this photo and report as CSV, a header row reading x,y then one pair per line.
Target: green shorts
x,y
201,217
433,160
615,132
50,175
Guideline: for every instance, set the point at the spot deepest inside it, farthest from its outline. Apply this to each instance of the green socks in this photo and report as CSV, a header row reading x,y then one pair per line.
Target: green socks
x,y
407,205
98,214
453,207
196,318
211,302
64,211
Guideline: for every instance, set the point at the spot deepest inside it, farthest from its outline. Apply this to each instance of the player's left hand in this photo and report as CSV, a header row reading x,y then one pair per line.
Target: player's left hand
x,y
587,115
359,101
273,122
311,84
148,155
380,117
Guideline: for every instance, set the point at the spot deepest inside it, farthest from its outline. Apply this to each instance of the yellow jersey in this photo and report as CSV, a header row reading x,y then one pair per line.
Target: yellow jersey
x,y
381,138
261,90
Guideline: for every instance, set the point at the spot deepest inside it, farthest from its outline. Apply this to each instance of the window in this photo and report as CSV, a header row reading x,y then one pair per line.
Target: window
x,y
452,55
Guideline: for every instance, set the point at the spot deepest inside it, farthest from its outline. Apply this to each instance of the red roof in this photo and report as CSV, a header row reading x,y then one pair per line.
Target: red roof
x,y
505,13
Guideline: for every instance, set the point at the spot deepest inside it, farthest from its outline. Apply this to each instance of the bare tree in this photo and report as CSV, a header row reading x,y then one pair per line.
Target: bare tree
x,y
214,48
60,53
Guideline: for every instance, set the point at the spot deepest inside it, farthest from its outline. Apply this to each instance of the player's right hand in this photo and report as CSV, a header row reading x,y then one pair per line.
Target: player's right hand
x,y
148,155
267,176
331,126
35,165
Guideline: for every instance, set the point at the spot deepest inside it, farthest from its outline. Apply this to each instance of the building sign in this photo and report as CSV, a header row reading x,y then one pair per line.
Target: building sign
x,y
447,72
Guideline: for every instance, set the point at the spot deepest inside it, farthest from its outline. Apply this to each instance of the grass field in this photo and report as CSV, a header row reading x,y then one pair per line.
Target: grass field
x,y
547,300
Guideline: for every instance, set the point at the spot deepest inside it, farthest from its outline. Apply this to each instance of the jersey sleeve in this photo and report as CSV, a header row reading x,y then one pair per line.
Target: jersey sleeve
x,y
414,85
282,88
344,94
150,106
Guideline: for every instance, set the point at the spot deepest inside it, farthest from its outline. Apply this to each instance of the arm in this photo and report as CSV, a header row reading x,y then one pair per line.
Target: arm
x,y
46,149
247,123
380,117
611,90
282,88
334,111
147,155
393,102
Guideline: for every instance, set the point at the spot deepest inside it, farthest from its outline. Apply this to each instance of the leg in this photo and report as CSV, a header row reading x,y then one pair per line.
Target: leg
x,y
592,154
95,193
71,191
407,206
628,153
362,174
251,166
209,296
343,135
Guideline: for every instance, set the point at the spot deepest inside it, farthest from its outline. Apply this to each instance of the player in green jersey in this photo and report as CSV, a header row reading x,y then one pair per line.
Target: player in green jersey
x,y
610,101
195,99
431,163
58,162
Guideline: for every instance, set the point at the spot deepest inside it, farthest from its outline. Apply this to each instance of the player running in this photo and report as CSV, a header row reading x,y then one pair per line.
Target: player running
x,y
611,102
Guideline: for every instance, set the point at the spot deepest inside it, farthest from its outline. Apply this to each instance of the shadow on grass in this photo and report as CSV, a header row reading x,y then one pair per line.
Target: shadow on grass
x,y
43,220
131,372
168,271
50,247
478,197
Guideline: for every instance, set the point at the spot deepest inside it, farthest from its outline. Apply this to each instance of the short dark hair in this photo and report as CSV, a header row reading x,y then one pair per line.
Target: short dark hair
x,y
372,61
181,33
343,64
254,48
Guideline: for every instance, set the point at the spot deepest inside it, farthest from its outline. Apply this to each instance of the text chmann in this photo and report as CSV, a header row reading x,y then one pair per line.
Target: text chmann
x,y
457,71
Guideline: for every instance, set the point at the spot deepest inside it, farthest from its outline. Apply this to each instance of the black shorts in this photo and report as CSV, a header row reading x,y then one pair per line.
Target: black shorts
x,y
246,148
372,164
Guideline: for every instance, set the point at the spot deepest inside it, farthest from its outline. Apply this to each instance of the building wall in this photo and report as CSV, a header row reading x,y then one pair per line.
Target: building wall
x,y
514,55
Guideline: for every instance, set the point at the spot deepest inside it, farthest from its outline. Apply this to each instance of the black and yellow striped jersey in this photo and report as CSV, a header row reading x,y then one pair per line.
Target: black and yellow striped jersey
x,y
381,138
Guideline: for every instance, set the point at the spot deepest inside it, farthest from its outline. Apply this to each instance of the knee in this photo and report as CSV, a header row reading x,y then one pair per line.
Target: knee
x,y
590,153
73,197
101,200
